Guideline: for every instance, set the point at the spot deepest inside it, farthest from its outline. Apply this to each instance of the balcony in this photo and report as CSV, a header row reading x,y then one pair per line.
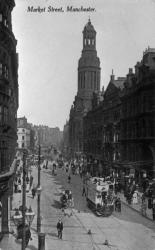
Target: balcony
x,y
5,177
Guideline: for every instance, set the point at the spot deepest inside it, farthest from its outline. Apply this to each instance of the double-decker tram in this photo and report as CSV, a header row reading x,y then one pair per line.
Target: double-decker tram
x,y
100,196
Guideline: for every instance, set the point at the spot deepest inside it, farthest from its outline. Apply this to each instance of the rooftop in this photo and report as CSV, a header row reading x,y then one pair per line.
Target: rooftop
x,y
149,50
119,83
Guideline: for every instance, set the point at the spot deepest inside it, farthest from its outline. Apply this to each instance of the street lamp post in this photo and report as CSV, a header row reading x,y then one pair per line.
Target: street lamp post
x,y
20,219
39,193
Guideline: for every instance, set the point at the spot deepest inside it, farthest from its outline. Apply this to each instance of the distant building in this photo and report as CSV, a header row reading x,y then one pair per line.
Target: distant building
x,y
88,83
23,132
23,138
65,141
46,136
8,108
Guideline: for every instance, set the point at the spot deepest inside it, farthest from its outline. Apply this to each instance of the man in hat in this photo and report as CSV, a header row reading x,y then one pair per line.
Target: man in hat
x,y
60,228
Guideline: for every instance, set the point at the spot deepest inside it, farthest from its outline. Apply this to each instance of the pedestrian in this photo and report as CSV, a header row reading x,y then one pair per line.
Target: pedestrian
x,y
60,228
27,235
135,197
27,179
119,205
46,164
70,195
19,181
31,181
153,211
16,186
116,204
144,207
33,192
69,178
83,191
63,200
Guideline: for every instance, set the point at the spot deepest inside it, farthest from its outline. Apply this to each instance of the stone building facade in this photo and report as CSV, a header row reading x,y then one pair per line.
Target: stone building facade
x,y
8,106
46,136
102,129
138,118
65,141
88,83
24,134
111,124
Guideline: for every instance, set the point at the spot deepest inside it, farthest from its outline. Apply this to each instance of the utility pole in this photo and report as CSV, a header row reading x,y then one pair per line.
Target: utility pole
x,y
39,193
24,201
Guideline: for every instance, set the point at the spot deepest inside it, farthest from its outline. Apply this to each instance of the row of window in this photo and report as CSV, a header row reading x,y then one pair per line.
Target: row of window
x,y
3,156
4,71
110,138
3,160
111,156
4,20
142,104
89,41
145,128
92,78
4,114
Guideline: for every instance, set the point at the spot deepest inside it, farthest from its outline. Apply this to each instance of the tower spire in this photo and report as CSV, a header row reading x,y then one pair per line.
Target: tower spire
x,y
112,76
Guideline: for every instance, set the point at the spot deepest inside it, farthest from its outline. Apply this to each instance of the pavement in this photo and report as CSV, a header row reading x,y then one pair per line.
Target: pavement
x,y
136,207
9,241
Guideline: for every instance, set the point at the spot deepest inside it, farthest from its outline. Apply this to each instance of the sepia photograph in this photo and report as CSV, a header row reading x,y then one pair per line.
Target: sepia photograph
x,y
77,125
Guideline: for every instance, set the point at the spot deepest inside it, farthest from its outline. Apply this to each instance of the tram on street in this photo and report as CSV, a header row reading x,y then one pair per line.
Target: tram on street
x,y
100,196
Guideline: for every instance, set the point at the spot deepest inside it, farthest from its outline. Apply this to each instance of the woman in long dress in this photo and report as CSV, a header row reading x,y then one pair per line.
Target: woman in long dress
x,y
135,197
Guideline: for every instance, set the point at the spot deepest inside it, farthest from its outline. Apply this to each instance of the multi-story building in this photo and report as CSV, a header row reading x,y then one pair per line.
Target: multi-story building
x,y
102,128
138,118
88,82
111,124
23,132
8,107
46,136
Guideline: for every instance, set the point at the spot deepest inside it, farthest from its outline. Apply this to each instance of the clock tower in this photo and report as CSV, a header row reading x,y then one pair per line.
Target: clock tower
x,y
88,83
88,67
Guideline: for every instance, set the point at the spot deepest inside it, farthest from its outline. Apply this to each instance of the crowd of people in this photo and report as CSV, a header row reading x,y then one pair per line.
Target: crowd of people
x,y
134,192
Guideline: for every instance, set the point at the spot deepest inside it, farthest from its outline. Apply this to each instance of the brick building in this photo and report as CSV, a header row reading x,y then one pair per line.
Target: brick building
x,y
8,107
138,118
111,127
102,128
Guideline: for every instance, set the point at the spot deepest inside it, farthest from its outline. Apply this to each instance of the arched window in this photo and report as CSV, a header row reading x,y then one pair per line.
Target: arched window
x,y
84,79
1,114
5,115
1,69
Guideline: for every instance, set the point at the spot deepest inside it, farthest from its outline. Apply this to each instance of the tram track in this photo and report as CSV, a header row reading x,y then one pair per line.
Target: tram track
x,y
76,189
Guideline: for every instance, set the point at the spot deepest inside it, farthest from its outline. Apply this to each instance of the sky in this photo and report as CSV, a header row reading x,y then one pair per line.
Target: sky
x,y
49,45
